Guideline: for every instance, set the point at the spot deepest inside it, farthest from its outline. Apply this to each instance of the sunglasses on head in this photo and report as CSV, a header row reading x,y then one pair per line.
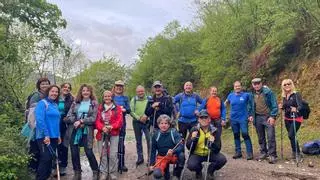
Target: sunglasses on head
x,y
287,84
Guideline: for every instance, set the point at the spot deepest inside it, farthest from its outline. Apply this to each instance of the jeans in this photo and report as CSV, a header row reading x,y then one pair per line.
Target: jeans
x,y
75,156
121,146
242,126
261,126
217,123
185,127
139,128
217,161
113,160
292,134
45,158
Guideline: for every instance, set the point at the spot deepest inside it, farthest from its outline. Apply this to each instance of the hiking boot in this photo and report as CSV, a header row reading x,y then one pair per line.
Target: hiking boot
x,y
198,175
102,176
139,162
95,175
77,175
262,157
63,171
124,168
237,155
272,160
112,177
249,156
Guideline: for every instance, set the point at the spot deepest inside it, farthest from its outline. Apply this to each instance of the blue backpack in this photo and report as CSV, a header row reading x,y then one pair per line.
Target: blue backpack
x,y
311,147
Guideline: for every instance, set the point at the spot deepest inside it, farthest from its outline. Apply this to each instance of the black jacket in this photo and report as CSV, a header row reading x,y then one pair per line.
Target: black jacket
x,y
165,107
294,100
194,141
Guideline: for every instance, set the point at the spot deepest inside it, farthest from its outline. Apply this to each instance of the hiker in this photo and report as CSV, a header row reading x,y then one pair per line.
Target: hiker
x,y
292,104
123,101
47,130
240,113
80,120
42,86
159,104
166,141
140,121
200,141
108,123
217,112
187,107
265,110
65,101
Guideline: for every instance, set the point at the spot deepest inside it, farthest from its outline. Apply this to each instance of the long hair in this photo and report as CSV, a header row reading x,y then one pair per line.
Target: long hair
x,y
49,89
63,84
286,81
79,94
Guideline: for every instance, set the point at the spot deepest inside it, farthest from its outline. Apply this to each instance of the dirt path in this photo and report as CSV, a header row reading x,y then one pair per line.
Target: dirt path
x,y
234,169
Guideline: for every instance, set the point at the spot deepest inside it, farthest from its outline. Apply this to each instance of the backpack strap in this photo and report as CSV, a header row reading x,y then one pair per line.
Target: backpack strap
x,y
46,103
158,136
172,136
134,103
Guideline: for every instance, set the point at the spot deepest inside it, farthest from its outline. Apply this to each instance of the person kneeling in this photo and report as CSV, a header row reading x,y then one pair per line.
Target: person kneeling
x,y
201,143
168,143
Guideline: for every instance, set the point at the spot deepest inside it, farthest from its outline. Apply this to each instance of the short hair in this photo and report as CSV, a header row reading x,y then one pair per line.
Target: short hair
x,y
49,89
164,117
139,87
237,82
40,80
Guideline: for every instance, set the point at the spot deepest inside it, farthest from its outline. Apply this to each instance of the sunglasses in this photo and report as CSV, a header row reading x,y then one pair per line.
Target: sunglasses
x,y
203,117
287,84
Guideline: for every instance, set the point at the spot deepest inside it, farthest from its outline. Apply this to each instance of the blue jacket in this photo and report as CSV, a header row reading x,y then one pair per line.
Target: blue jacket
x,y
47,119
187,104
163,141
223,109
123,101
271,102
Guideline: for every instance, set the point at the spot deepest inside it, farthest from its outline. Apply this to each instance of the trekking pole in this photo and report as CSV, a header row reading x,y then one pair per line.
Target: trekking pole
x,y
57,164
182,173
281,134
164,157
151,135
101,153
207,164
295,138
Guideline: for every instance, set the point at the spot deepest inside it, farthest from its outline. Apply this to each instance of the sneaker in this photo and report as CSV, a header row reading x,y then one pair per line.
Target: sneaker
x,y
249,156
124,169
237,155
63,171
262,157
272,160
198,175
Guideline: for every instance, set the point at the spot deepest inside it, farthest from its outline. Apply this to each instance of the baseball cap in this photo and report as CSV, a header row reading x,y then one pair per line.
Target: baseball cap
x,y
156,83
256,80
203,113
119,83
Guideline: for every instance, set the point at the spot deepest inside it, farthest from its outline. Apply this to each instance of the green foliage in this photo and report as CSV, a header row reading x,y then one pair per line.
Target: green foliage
x,y
101,75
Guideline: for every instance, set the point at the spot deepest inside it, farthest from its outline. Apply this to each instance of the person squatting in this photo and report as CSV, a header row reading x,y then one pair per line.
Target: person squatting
x,y
65,122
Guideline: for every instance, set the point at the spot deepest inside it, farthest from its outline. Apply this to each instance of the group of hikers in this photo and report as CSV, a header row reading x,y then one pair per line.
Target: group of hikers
x,y
63,121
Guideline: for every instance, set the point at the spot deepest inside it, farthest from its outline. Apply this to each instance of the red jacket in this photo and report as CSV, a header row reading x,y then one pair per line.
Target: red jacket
x,y
115,121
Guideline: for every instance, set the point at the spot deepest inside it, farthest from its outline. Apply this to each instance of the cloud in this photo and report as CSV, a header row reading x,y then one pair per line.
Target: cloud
x,y
119,27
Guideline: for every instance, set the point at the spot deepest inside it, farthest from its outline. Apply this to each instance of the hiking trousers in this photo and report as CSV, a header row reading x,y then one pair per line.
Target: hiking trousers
x,y
185,127
217,123
45,158
262,126
113,160
139,129
217,161
291,134
121,146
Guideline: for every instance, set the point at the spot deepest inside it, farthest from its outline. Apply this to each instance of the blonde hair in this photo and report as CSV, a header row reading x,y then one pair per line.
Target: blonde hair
x,y
286,81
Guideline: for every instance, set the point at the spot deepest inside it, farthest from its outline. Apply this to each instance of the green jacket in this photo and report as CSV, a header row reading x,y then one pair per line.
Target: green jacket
x,y
271,102
138,107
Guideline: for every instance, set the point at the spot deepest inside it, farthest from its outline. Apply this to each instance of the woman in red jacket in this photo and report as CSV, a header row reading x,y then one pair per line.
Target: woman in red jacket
x,y
108,124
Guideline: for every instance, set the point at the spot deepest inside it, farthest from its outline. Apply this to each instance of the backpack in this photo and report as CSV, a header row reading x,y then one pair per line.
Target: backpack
x,y
305,110
28,129
312,147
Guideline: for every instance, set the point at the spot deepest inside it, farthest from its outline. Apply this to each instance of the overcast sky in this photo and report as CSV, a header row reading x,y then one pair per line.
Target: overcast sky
x,y
119,27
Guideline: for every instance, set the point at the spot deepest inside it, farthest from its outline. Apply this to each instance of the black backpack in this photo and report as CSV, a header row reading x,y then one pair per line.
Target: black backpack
x,y
305,110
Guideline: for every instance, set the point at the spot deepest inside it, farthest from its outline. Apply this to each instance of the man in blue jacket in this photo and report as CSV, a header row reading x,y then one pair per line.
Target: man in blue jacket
x,y
265,112
186,104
